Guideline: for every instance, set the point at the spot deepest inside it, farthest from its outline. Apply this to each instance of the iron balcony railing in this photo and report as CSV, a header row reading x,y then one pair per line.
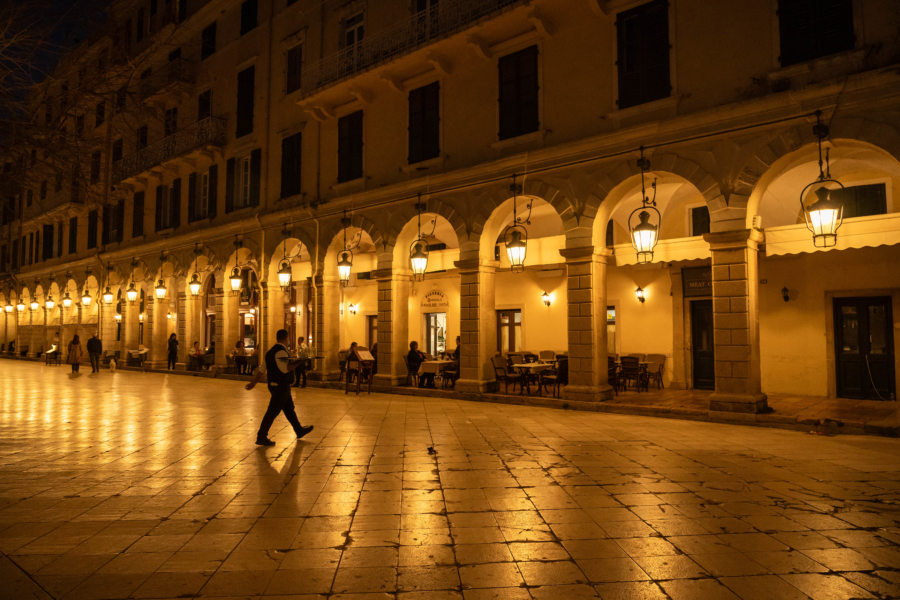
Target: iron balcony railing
x,y
421,29
176,71
207,132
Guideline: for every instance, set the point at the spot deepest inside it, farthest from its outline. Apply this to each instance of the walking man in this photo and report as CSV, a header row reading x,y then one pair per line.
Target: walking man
x,y
279,373
95,349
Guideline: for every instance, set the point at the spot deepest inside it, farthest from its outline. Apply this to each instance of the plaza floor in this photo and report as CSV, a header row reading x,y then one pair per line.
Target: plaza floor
x,y
143,485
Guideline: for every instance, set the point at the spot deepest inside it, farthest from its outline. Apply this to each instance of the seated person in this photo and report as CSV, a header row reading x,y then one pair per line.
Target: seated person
x,y
354,362
240,357
415,359
195,354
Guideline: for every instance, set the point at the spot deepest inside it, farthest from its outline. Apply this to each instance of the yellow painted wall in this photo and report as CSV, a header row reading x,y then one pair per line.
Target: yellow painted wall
x,y
353,327
449,284
543,328
794,356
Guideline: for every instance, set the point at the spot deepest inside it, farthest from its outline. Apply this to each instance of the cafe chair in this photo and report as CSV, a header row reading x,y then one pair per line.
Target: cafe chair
x,y
554,378
655,367
342,362
502,373
547,355
612,374
631,371
449,376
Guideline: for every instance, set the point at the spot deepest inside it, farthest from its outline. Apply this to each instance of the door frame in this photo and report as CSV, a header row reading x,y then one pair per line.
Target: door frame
x,y
831,360
689,302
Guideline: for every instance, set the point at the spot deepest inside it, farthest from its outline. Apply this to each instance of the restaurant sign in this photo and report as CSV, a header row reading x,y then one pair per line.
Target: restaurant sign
x,y
696,281
435,299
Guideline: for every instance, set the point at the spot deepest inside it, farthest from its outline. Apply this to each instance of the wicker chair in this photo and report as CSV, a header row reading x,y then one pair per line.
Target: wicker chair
x,y
554,378
655,366
631,371
502,372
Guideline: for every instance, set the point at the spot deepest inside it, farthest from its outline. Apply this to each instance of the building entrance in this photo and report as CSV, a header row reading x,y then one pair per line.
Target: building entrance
x,y
702,348
864,352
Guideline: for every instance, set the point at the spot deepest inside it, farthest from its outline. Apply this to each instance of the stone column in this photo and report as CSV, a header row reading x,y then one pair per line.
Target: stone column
x,y
735,281
180,311
156,332
327,325
273,316
130,322
226,303
586,294
477,324
393,325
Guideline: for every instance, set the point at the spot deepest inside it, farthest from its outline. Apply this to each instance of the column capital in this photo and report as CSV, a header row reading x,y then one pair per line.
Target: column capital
x,y
472,265
581,254
736,238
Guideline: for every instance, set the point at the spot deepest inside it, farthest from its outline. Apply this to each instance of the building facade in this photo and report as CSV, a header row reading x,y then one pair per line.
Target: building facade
x,y
230,140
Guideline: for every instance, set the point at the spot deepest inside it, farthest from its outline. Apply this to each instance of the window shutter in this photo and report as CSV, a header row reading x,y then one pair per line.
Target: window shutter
x,y
213,190
120,221
229,185
159,207
107,221
175,217
255,172
137,215
192,198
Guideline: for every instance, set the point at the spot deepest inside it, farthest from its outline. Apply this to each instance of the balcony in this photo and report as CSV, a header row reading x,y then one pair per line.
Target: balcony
x,y
209,132
171,74
421,29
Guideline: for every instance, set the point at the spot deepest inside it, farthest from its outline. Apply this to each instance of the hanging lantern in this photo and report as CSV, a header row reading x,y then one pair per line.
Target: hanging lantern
x,y
49,303
418,250
284,274
160,290
824,216
20,306
345,265
235,280
516,236
34,304
107,296
194,285
645,234
131,293
67,300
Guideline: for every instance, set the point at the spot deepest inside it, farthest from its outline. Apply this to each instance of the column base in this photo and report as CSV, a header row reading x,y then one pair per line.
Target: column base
x,y
588,393
387,380
738,403
476,386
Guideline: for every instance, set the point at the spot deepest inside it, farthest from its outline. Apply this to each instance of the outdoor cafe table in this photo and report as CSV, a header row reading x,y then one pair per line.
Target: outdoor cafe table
x,y
434,366
527,370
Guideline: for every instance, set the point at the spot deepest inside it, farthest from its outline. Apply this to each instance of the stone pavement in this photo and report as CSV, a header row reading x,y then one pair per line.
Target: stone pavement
x,y
142,485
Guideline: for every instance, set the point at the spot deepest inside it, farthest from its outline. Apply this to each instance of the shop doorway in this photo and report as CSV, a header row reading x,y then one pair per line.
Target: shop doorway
x,y
702,348
435,333
864,348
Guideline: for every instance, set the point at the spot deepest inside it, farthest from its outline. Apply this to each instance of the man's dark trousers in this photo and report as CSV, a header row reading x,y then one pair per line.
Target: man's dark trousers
x,y
280,401
95,361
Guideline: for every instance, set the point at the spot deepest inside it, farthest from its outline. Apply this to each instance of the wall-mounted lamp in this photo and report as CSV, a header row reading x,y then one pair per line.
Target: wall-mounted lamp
x,y
640,294
293,309
545,297
785,294
352,308
118,318
170,316
141,317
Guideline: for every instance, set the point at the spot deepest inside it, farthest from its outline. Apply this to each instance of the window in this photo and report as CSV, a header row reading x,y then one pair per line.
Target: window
x,y
47,247
182,10
424,120
100,114
518,83
812,28
204,105
93,217
245,86
699,220
117,150
354,30
113,222
292,69
435,333
248,16
202,194
863,200
37,246
168,205
142,137
290,165
73,235
509,330
170,124
350,146
121,97
153,7
137,215
59,238
242,181
643,53
208,41
95,167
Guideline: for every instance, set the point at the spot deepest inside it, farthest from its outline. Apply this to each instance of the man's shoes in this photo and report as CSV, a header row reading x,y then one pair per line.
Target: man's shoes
x,y
265,441
303,431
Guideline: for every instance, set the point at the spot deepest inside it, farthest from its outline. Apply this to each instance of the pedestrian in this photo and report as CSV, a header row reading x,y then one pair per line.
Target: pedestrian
x,y
279,374
303,362
74,353
415,358
239,355
95,349
173,352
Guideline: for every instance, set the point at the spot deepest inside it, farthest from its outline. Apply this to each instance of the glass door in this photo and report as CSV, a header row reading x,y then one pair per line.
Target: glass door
x,y
435,333
864,352
703,352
